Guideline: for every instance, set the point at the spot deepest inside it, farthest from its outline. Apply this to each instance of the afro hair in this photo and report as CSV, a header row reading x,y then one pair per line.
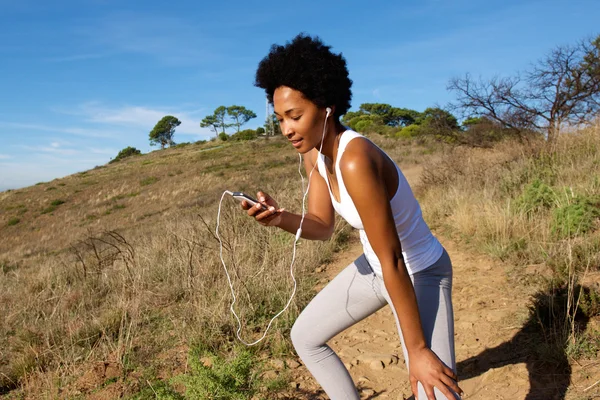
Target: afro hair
x,y
307,65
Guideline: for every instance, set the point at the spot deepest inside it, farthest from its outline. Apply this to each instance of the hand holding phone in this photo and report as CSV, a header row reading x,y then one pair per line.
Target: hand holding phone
x,y
249,199
269,213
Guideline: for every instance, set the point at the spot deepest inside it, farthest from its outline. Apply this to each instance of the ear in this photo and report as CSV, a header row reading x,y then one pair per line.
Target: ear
x,y
332,110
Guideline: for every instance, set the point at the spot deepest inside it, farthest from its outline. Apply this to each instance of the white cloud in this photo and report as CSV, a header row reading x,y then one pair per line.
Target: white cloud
x,y
141,117
5,157
85,132
54,148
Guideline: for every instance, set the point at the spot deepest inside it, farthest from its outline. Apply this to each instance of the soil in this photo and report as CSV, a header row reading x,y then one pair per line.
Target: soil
x,y
492,343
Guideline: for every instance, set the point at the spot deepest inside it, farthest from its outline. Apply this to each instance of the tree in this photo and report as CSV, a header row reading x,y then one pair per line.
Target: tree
x,y
562,88
272,127
210,121
163,131
240,115
380,113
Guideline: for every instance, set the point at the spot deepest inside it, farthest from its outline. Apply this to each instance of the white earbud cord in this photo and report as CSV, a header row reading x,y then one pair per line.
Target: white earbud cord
x,y
298,234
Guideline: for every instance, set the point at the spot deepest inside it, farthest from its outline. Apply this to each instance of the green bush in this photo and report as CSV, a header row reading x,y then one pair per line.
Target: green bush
x,y
223,136
126,152
57,202
148,181
224,379
13,221
247,134
410,131
576,218
536,196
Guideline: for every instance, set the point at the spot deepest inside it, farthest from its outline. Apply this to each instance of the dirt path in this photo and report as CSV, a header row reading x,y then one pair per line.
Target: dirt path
x,y
489,315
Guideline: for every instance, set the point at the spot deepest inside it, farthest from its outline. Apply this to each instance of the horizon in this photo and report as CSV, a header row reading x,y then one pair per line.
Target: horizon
x,y
83,82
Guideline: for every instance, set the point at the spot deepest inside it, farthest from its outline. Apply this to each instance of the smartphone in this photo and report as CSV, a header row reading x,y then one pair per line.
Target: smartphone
x,y
242,196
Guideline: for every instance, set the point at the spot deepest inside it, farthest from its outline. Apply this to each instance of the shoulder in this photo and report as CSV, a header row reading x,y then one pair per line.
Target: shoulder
x,y
360,155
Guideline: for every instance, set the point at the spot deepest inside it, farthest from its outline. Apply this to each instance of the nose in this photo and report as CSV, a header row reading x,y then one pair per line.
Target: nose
x,y
286,129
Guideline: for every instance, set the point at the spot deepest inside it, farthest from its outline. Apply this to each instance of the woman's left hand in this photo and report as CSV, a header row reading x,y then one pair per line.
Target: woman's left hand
x,y
427,368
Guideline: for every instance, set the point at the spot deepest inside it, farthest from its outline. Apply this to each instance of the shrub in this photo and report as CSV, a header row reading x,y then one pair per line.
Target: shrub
x,y
126,152
576,218
535,197
223,136
148,181
410,131
224,379
13,221
260,130
247,134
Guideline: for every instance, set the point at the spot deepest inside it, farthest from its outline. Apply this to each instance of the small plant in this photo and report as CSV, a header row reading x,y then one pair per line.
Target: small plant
x,y
231,379
536,196
57,202
13,221
576,218
148,181
126,152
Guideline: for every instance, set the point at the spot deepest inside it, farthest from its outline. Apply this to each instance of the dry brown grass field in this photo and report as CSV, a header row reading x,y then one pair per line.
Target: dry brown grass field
x,y
112,286
111,274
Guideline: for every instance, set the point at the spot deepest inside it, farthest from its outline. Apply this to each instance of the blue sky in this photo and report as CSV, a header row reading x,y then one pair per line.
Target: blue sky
x,y
80,80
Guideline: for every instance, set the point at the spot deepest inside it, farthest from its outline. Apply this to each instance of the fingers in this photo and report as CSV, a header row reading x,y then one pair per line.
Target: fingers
x,y
450,378
414,387
449,383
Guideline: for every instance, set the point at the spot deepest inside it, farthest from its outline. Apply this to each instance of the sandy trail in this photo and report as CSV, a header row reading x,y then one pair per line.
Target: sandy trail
x,y
489,312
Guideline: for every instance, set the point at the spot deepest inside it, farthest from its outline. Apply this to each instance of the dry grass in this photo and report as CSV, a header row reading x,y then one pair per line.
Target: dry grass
x,y
111,274
533,205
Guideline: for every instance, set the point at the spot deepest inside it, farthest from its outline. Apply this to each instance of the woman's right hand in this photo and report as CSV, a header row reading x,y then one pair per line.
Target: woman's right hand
x,y
269,217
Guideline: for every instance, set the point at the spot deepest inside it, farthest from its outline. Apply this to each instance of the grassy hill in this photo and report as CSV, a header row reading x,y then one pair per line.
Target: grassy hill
x,y
113,285
117,268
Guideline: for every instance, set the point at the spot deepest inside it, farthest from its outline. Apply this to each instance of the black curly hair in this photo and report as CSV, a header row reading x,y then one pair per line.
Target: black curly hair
x,y
307,65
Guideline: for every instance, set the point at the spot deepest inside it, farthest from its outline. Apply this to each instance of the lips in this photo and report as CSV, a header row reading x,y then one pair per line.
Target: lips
x,y
296,143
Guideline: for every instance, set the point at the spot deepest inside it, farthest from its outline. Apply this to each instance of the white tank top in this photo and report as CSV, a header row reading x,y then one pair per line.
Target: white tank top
x,y
420,248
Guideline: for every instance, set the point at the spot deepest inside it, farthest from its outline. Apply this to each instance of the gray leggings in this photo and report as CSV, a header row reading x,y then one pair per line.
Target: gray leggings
x,y
353,295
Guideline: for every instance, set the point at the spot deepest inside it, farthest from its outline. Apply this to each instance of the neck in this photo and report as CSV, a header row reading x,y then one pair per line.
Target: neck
x,y
331,140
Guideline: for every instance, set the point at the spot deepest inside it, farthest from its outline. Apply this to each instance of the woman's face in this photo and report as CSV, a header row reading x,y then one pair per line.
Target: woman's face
x,y
300,119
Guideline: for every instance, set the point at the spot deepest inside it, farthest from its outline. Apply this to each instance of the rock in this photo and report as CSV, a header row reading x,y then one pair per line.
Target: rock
x,y
318,270
269,375
207,362
377,365
364,379
294,385
348,365
292,364
367,392
277,364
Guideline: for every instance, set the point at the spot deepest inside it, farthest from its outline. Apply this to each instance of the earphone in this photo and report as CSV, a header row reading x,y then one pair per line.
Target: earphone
x,y
297,237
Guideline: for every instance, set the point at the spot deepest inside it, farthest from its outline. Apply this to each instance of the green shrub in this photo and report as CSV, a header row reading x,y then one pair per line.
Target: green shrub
x,y
148,181
410,131
247,134
126,152
224,379
223,136
260,130
13,221
57,202
536,196
576,218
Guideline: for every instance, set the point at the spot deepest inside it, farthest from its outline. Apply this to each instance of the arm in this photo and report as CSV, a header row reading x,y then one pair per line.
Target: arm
x,y
362,170
319,219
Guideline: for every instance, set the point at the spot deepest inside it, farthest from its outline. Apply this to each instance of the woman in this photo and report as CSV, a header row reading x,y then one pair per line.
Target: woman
x,y
309,86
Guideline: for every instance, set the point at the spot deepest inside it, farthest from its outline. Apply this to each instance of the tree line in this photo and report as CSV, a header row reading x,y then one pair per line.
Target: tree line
x,y
562,88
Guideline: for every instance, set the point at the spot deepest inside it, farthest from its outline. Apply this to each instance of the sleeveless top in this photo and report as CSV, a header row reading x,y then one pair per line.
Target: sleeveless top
x,y
420,249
